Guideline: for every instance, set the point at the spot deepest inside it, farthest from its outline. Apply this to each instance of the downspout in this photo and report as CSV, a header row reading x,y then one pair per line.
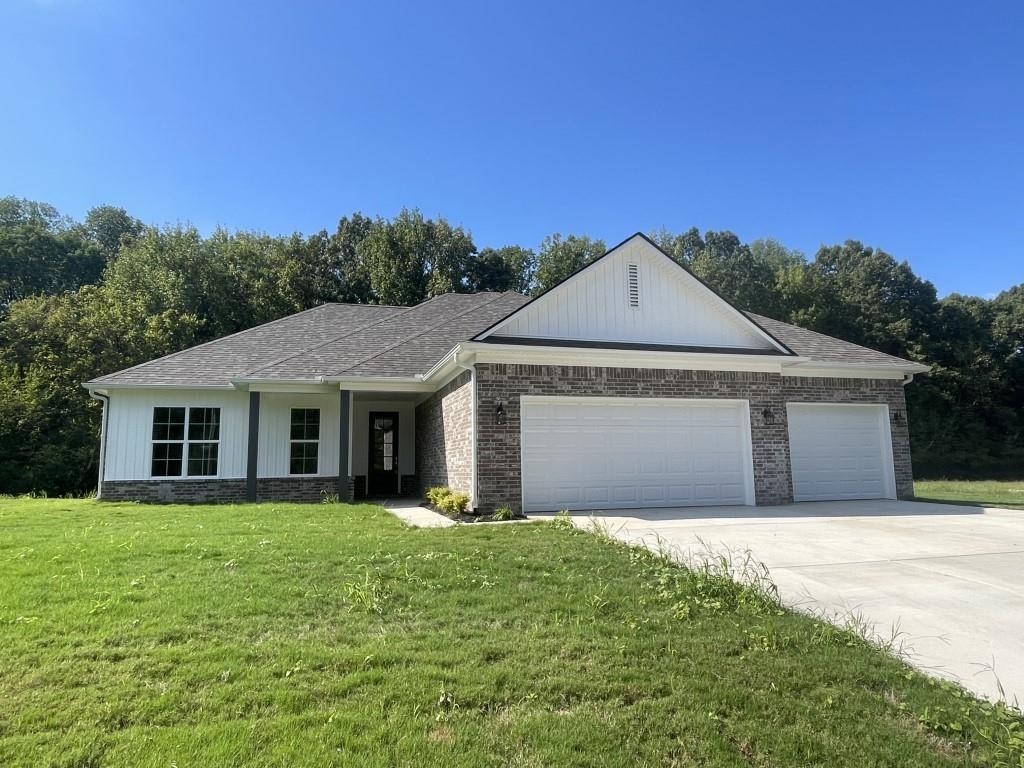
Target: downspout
x,y
472,426
907,378
105,399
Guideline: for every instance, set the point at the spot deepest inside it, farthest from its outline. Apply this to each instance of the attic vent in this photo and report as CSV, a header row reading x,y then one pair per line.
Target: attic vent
x,y
633,285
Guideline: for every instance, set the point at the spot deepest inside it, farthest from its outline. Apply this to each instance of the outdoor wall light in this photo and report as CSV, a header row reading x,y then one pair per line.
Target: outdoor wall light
x,y
768,416
897,417
499,412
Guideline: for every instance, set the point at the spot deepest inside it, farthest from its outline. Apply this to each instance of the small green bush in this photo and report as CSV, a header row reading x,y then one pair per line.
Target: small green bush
x,y
436,493
454,503
503,513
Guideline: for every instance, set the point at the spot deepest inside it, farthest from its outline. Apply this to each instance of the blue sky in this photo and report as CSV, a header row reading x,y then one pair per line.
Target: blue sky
x,y
898,124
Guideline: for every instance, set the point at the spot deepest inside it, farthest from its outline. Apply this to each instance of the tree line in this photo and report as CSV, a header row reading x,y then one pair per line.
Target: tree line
x,y
80,299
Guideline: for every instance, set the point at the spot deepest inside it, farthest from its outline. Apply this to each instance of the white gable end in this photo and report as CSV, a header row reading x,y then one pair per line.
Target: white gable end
x,y
634,294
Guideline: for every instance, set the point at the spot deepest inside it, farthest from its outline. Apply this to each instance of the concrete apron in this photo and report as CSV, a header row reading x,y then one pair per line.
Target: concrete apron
x,y
947,580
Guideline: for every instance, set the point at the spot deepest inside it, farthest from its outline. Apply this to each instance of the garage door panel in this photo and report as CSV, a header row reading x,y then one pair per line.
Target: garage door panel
x,y
840,451
623,452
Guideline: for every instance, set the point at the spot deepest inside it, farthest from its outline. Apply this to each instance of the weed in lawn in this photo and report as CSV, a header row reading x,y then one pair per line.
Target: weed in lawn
x,y
563,521
503,513
371,595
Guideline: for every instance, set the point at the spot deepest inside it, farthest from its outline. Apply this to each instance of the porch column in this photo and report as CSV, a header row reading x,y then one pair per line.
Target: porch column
x,y
254,444
344,481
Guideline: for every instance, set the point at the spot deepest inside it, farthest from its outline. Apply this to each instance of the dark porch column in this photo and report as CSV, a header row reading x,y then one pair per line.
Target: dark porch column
x,y
254,444
344,481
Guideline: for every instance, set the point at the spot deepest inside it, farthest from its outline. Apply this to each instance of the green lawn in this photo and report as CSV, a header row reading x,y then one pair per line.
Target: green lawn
x,y
316,635
985,493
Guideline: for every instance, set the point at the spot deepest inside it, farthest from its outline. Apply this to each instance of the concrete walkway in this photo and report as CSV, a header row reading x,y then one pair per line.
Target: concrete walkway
x,y
419,517
949,579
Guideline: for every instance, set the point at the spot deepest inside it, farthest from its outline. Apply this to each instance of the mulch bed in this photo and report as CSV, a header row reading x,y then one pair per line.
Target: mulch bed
x,y
469,517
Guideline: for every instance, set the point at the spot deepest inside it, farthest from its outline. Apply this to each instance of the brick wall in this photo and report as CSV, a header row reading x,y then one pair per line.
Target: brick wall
x,y
498,445
213,491
444,436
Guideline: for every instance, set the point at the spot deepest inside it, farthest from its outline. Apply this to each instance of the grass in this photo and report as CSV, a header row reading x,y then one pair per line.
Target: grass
x,y
318,635
983,493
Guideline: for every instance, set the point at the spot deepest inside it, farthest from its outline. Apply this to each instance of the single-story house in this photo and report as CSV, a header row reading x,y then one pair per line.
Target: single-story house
x,y
629,384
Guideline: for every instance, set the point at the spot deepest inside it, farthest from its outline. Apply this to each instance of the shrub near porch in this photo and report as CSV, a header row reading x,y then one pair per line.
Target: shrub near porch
x,y
333,635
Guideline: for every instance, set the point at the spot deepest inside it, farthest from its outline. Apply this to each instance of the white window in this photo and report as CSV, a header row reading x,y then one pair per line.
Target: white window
x,y
186,442
304,453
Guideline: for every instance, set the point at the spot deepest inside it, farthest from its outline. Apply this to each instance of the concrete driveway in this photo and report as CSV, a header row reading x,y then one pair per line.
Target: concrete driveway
x,y
950,578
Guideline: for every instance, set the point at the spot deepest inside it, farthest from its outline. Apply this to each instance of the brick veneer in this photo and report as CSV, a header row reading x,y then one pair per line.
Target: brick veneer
x,y
498,445
211,491
444,436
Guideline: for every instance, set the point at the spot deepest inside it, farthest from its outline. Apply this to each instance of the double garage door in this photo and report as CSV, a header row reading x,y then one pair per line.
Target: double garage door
x,y
608,453
590,453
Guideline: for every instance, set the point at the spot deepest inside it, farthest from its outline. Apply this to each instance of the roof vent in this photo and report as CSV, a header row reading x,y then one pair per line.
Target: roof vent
x,y
633,285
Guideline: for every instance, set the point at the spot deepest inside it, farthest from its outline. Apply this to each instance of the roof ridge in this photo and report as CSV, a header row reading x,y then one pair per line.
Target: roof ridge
x,y
406,340
403,311
219,339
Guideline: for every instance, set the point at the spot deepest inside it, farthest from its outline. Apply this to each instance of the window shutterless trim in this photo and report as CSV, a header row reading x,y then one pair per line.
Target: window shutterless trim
x,y
304,440
185,442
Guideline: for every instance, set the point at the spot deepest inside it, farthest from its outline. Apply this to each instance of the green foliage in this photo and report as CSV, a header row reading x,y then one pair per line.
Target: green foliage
x,y
563,521
410,258
503,513
559,257
438,492
454,503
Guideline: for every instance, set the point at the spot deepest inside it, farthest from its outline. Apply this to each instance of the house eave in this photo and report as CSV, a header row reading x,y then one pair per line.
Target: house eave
x,y
103,386
486,352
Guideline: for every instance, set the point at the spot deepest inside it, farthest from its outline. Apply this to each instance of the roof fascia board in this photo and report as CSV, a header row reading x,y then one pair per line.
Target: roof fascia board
x,y
103,386
852,370
621,358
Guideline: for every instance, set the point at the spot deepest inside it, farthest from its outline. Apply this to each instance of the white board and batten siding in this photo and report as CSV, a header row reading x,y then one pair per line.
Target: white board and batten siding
x,y
635,294
275,432
840,452
593,453
129,445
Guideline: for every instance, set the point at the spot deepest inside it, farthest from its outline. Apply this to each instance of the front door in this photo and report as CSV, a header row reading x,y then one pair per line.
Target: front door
x,y
382,477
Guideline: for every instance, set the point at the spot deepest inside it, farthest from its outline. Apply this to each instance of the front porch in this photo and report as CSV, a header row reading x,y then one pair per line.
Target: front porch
x,y
304,443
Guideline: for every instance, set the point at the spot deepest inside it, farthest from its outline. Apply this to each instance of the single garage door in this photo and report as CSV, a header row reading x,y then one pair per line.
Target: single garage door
x,y
840,452
610,453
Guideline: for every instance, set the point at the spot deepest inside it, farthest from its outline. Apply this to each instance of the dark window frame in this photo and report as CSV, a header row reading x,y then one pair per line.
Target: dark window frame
x,y
304,442
191,442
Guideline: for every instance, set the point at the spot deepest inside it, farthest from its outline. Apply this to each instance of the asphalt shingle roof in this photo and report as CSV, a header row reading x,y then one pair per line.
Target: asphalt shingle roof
x,y
331,340
350,340
825,349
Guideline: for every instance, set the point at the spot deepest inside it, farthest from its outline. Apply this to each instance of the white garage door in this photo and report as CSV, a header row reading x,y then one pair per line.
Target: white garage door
x,y
609,453
840,452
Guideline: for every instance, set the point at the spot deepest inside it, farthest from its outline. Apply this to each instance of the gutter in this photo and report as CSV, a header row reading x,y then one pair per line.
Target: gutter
x,y
105,399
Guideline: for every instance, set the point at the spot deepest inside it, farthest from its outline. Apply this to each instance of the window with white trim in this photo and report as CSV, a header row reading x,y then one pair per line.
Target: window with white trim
x,y
304,449
186,442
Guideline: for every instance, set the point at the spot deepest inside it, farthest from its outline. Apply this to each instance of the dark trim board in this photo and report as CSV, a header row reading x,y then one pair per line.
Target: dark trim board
x,y
627,345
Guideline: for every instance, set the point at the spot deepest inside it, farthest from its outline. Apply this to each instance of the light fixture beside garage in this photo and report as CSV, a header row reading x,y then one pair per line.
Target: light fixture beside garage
x,y
499,412
768,416
897,417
